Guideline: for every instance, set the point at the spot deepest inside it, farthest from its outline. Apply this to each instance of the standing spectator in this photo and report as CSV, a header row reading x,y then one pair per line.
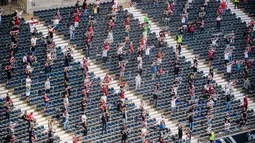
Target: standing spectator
x,y
146,19
104,119
76,19
155,98
227,127
155,3
211,136
50,128
84,128
46,102
218,19
28,82
66,117
243,119
125,114
223,6
245,102
228,101
95,11
229,70
122,71
28,92
180,133
72,30
66,102
124,134
191,121
154,70
8,111
77,4
138,81
247,85
173,105
47,70
47,86
85,8
236,4
195,65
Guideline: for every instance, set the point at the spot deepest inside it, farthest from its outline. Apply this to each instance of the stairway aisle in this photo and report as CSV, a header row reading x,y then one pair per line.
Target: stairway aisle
x,y
189,55
239,13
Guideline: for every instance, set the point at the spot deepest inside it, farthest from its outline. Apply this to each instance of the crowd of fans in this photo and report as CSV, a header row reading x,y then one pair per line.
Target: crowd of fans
x,y
186,29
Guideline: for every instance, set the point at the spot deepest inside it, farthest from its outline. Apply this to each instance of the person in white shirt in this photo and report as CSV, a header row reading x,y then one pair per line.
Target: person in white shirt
x,y
33,40
47,86
105,54
142,105
229,68
28,69
19,13
173,105
227,127
66,102
28,82
71,30
138,82
83,118
24,59
147,53
226,57
103,99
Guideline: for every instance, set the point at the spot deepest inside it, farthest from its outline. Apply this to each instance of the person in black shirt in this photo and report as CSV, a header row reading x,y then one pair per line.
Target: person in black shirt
x,y
104,119
191,80
155,98
191,121
47,70
243,119
176,68
124,134
180,133
228,102
84,128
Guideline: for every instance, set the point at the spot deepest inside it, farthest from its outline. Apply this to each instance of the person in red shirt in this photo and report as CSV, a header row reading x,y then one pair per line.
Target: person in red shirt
x,y
91,30
223,6
245,102
107,78
17,21
76,18
210,55
131,50
105,89
46,102
127,24
89,39
219,11
191,30
122,97
111,24
122,71
142,44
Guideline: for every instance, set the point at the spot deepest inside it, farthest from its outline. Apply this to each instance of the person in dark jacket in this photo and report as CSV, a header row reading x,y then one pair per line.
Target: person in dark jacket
x,y
104,120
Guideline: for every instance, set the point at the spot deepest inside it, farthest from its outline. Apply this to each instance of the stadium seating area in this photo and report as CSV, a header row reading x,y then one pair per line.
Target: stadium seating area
x,y
198,43
248,6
